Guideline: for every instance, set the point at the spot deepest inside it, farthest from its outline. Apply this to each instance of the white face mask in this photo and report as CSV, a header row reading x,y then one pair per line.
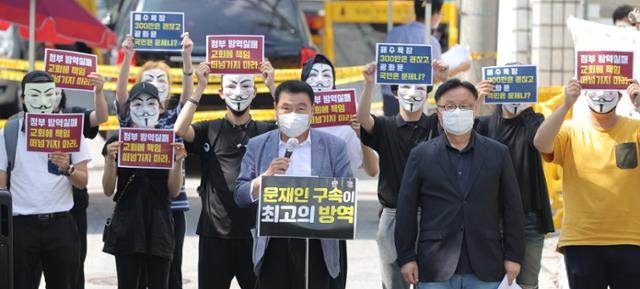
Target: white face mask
x,y
144,111
238,91
457,122
602,101
513,108
41,97
159,79
412,97
321,77
293,124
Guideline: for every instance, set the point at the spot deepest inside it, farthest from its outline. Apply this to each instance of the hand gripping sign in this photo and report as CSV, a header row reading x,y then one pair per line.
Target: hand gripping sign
x,y
307,207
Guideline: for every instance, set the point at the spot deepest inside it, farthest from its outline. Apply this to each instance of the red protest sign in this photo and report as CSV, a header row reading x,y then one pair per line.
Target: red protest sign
x,y
60,132
70,69
610,70
146,148
334,107
235,54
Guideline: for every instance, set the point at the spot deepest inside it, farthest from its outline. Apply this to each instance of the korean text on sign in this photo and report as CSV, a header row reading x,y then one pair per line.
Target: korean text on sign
x,y
608,70
146,148
512,84
307,207
157,31
403,64
333,108
54,132
235,54
70,69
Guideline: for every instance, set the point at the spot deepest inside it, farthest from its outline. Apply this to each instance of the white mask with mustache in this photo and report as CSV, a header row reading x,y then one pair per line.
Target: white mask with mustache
x,y
159,79
238,91
321,77
602,102
412,97
144,111
41,97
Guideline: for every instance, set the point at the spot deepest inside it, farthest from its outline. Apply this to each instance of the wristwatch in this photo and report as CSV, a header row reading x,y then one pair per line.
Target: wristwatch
x,y
69,171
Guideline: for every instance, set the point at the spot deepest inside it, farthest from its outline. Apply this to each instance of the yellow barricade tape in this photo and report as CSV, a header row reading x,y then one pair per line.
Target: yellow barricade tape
x,y
257,114
351,73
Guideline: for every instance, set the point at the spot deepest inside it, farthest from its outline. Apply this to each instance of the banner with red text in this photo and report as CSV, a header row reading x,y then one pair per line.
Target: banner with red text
x,y
146,148
59,132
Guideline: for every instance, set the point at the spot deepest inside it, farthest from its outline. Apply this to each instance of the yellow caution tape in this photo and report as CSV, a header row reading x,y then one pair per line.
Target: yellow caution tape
x,y
257,114
15,69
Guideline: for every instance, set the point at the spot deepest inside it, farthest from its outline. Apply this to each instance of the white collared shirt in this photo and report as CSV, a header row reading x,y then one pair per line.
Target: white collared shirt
x,y
300,161
33,188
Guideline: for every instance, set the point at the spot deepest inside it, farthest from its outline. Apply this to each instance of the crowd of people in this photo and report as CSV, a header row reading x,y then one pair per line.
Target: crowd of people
x,y
464,197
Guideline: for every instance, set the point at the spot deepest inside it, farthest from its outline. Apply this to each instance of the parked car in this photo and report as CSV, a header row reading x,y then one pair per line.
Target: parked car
x,y
287,38
11,46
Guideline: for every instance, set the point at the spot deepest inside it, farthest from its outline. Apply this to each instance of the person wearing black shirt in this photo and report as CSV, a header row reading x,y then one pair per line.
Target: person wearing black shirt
x,y
393,138
471,228
224,228
141,232
515,126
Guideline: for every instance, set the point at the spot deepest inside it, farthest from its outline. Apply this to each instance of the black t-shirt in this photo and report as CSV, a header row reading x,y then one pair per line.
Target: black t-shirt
x,y
518,133
220,216
142,222
81,196
393,139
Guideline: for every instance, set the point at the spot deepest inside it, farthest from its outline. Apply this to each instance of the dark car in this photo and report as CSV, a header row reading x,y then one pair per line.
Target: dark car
x,y
287,37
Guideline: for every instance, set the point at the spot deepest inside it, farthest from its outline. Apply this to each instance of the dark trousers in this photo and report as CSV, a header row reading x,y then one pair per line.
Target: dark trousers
x,y
50,245
180,229
596,267
79,214
390,105
220,260
131,268
283,265
175,269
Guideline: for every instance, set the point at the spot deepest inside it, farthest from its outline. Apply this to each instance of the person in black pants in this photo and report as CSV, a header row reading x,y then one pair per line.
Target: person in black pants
x,y
45,234
225,238
140,234
92,120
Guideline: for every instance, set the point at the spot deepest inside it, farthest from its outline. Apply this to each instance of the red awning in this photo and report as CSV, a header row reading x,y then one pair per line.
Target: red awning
x,y
58,21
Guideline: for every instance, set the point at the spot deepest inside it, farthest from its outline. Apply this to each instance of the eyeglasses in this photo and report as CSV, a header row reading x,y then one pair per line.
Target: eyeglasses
x,y
452,107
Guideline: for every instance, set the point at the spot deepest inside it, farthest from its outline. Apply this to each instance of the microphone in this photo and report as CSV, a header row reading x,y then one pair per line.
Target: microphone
x,y
292,143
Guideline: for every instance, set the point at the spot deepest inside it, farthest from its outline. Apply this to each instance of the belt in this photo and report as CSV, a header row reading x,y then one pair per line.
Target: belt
x,y
44,217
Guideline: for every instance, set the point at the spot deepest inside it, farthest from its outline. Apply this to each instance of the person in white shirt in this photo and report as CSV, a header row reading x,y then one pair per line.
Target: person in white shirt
x,y
41,190
277,260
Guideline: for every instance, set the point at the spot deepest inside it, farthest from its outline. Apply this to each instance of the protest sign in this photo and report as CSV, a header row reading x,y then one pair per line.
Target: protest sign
x,y
605,70
146,148
70,69
59,132
157,31
333,107
307,207
403,64
235,54
512,84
